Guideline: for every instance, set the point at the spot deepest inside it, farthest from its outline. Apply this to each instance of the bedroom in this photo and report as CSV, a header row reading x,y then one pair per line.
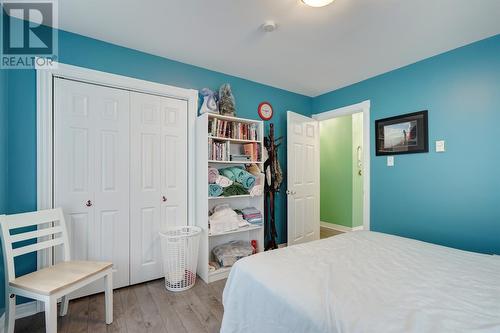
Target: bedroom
x,y
390,58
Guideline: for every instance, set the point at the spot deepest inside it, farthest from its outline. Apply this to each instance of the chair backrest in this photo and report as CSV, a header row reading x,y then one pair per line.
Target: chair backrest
x,y
51,231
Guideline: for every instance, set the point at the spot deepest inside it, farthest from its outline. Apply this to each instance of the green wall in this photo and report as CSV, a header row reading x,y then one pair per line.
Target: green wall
x,y
336,171
340,183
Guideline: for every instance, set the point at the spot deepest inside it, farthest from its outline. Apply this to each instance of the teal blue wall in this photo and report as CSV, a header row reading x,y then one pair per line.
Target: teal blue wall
x,y
447,198
3,141
86,52
3,166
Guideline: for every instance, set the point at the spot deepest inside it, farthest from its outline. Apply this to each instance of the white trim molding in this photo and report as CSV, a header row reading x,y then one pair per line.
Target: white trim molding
x,y
349,110
22,310
338,227
344,111
44,92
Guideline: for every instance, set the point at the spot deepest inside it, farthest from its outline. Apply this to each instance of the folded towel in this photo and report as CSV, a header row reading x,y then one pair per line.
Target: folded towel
x,y
255,221
239,175
214,190
223,181
252,215
224,219
229,173
235,189
249,211
213,173
257,190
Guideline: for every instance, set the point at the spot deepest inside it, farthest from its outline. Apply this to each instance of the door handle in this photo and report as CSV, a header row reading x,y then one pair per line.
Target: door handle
x,y
164,198
289,192
89,203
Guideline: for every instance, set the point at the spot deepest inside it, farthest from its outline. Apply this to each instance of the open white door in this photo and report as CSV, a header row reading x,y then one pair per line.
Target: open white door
x,y
302,178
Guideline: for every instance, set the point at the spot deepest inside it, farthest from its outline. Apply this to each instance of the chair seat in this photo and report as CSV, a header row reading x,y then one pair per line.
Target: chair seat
x,y
52,279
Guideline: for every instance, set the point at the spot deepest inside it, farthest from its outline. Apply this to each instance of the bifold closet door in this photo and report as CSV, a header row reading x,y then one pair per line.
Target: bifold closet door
x,y
91,173
158,196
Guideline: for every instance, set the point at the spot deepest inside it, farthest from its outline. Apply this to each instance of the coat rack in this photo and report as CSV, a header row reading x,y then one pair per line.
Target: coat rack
x,y
272,184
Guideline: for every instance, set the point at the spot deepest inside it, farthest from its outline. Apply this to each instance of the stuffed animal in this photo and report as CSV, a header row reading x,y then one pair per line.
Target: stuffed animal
x,y
227,104
210,103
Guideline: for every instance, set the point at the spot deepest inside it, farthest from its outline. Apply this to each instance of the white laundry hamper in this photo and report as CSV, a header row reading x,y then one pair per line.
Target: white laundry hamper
x,y
179,246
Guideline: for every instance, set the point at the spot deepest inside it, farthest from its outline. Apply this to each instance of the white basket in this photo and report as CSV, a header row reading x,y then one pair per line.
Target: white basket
x,y
179,246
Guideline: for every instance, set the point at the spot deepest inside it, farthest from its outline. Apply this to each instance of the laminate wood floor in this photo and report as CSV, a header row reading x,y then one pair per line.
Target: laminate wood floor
x,y
146,307
326,232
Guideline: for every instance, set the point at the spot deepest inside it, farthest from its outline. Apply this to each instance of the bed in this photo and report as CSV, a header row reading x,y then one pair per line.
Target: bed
x,y
364,282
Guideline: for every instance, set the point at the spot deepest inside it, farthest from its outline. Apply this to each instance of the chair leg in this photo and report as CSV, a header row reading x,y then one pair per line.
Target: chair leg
x,y
51,315
10,313
64,306
108,295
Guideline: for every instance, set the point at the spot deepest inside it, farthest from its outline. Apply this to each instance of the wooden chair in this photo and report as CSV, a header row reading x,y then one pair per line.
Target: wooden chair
x,y
51,283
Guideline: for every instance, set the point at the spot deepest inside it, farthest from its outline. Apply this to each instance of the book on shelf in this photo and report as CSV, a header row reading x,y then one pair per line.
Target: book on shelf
x,y
252,150
232,129
218,151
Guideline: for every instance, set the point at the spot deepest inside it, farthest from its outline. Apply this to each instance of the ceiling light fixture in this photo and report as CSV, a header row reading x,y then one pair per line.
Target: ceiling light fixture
x,y
317,3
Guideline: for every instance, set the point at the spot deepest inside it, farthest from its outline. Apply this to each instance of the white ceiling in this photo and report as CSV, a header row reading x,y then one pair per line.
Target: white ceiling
x,y
313,51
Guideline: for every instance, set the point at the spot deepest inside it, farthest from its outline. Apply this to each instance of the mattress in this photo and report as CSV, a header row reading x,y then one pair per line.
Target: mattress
x,y
364,282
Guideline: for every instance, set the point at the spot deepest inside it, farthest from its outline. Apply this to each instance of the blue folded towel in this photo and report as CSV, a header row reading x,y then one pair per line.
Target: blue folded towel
x,y
239,175
214,190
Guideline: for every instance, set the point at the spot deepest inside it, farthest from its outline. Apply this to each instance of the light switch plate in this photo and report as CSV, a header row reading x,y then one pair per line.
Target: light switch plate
x,y
440,146
390,161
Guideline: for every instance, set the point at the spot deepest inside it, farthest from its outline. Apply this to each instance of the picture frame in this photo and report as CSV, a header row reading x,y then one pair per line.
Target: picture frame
x,y
403,134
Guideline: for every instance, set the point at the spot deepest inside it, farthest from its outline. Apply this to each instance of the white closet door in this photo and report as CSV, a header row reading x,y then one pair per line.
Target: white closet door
x,y
158,178
91,173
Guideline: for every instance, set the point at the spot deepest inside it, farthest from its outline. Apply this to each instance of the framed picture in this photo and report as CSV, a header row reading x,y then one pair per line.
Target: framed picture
x,y
405,134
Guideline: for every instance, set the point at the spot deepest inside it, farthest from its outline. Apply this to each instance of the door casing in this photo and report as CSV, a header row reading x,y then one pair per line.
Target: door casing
x,y
349,110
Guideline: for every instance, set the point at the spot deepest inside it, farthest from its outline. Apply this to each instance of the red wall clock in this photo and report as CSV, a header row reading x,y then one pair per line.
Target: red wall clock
x,y
265,111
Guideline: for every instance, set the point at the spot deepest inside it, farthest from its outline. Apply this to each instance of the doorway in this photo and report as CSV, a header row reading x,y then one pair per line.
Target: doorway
x,y
303,171
341,174
344,169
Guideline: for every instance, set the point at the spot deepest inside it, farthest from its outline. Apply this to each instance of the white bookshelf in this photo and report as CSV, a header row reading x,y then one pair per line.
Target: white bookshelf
x,y
233,162
204,203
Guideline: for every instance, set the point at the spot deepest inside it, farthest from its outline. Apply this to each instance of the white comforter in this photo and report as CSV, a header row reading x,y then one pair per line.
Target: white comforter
x,y
364,282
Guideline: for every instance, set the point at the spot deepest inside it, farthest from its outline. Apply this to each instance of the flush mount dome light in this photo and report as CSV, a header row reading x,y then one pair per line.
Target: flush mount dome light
x,y
317,3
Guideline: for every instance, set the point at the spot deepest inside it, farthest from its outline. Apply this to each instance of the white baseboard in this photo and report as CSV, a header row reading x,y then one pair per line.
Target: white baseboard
x,y
22,310
338,227
282,245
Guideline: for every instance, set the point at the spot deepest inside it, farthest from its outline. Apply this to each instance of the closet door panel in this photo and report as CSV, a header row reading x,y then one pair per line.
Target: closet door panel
x,y
111,227
145,188
73,164
91,174
174,162
77,224
158,178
